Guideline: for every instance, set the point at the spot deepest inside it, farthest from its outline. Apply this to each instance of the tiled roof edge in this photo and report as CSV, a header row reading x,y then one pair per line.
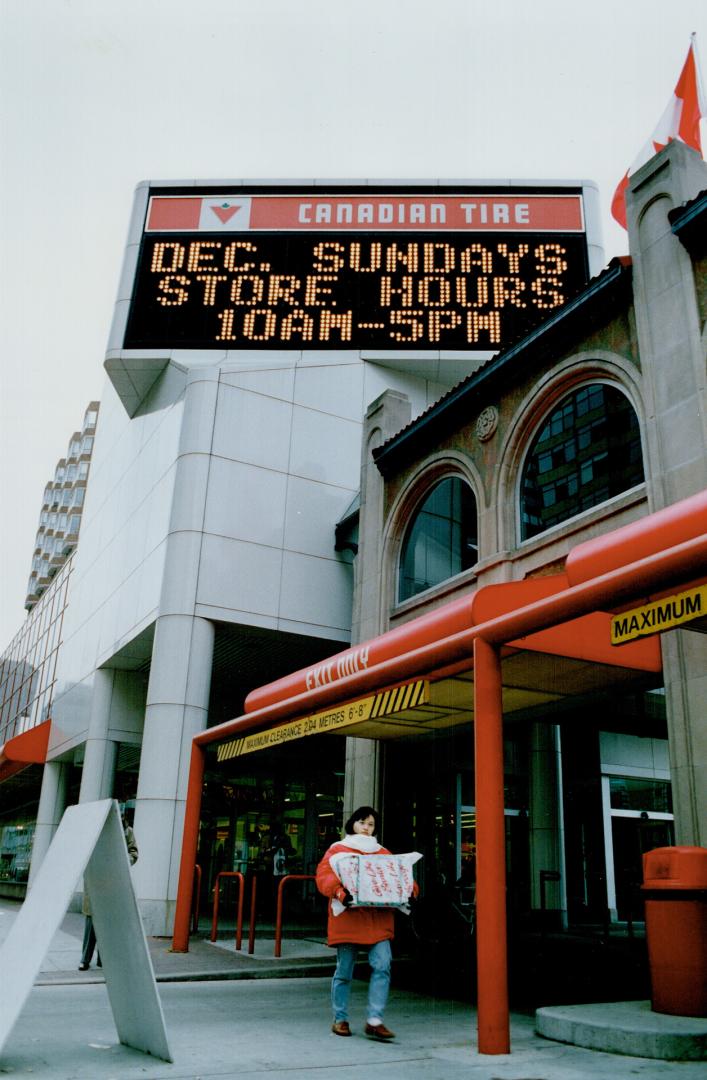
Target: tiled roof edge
x,y
684,220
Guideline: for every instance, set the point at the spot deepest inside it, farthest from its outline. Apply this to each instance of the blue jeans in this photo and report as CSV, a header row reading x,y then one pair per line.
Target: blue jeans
x,y
379,957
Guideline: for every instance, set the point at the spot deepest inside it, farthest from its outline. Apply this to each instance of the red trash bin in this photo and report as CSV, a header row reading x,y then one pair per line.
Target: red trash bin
x,y
675,892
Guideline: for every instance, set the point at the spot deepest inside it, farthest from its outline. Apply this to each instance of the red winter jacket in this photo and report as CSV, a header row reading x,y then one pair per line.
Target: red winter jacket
x,y
355,926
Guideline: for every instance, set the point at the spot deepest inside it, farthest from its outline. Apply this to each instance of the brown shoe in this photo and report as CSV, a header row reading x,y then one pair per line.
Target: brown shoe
x,y
341,1027
379,1031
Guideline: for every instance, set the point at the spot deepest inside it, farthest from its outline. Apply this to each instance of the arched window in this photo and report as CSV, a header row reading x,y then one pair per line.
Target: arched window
x,y
441,539
588,450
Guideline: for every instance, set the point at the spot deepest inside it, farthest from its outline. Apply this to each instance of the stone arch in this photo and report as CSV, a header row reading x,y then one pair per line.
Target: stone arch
x,y
583,368
433,470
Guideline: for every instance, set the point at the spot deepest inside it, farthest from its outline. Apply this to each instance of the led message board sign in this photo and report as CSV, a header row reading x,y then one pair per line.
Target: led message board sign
x,y
364,270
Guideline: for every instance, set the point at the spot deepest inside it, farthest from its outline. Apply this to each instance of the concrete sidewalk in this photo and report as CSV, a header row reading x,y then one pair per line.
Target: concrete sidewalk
x,y
233,1016
280,1028
205,960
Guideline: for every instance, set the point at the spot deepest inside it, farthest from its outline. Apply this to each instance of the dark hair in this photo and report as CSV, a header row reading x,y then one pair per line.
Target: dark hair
x,y
360,815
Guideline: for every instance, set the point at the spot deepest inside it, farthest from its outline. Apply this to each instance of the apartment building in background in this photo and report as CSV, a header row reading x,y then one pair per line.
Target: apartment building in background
x,y
62,507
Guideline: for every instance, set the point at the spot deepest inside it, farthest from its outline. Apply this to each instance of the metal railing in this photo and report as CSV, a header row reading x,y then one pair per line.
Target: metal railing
x,y
239,908
280,894
196,899
251,924
239,916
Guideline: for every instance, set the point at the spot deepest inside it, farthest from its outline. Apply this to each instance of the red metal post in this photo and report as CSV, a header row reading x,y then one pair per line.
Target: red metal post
x,y
192,813
278,917
214,909
491,945
251,924
239,918
196,899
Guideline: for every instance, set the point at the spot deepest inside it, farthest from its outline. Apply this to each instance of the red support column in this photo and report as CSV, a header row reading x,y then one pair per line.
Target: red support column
x,y
192,814
491,945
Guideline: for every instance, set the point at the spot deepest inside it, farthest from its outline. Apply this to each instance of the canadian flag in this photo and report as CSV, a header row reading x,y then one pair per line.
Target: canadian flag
x,y
681,120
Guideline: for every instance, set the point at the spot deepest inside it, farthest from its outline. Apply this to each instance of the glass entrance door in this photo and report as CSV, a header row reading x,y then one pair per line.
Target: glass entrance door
x,y
632,837
637,818
517,858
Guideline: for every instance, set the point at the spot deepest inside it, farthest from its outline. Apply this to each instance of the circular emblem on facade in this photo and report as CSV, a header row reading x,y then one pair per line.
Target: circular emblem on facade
x,y
486,423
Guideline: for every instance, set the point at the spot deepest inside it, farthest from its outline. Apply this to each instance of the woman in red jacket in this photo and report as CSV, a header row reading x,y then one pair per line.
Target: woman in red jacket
x,y
367,927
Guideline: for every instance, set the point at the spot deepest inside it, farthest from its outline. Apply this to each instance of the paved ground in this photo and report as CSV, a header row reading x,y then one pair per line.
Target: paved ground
x,y
222,1022
204,960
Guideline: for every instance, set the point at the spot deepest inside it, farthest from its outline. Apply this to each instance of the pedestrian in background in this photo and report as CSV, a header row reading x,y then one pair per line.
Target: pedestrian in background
x,y
89,934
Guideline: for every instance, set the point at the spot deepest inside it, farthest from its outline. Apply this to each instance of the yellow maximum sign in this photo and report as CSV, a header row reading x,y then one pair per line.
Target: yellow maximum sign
x,y
355,712
661,615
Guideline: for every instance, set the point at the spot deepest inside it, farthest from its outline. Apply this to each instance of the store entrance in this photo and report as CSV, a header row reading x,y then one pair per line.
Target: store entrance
x,y
429,806
632,838
269,814
638,816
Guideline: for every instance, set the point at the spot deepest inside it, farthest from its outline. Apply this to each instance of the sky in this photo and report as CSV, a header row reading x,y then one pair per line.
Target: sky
x,y
97,95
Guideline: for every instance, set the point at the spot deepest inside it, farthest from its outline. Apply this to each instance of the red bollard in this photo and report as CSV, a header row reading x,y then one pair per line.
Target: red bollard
x,y
278,917
239,919
196,899
251,925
